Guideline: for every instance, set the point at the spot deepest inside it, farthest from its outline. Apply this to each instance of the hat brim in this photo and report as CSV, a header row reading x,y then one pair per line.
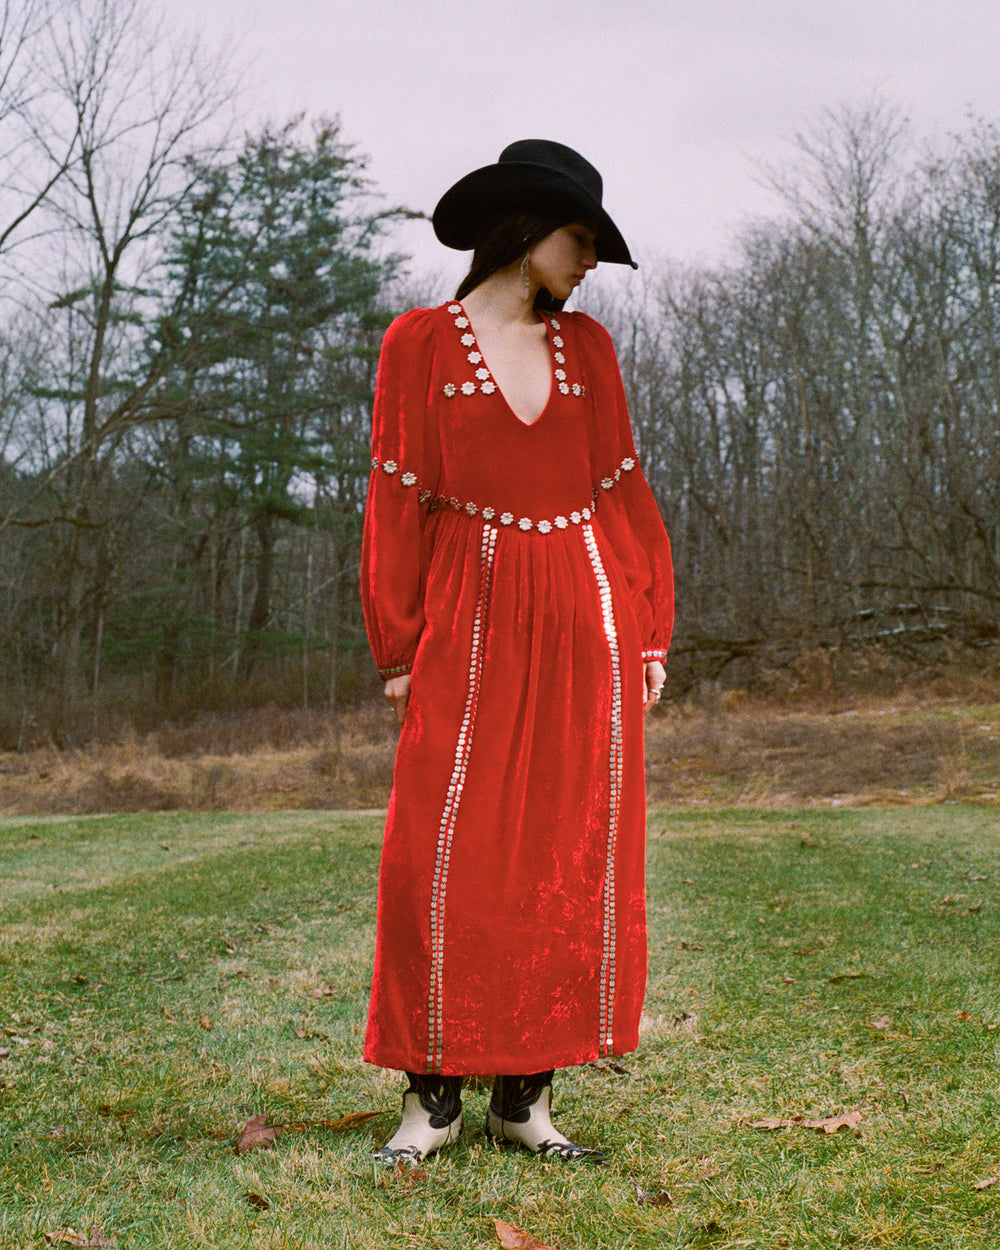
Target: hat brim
x,y
462,210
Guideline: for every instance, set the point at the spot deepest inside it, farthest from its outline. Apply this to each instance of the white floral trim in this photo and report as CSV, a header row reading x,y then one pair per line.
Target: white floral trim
x,y
484,382
524,524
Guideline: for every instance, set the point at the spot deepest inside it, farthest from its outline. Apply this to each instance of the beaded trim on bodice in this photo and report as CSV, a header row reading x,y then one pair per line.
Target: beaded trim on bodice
x,y
484,379
580,517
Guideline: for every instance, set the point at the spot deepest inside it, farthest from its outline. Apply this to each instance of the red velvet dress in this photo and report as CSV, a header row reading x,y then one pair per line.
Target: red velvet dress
x,y
521,574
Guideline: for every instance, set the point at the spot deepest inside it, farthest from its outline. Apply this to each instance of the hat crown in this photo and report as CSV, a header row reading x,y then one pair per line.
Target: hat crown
x,y
557,157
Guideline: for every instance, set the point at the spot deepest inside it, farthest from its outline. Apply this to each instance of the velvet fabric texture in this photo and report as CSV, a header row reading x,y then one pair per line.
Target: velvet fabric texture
x,y
521,574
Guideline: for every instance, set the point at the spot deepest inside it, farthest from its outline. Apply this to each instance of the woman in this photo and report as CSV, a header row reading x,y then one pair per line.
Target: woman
x,y
518,596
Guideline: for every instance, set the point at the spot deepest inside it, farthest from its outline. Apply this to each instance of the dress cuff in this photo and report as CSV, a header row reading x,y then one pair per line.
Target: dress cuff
x,y
654,654
398,671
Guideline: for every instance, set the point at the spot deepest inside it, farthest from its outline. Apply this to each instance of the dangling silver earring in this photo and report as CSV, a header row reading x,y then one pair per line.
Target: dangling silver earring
x,y
524,275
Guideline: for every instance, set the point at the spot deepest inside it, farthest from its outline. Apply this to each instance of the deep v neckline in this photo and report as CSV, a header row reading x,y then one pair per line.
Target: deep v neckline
x,y
475,350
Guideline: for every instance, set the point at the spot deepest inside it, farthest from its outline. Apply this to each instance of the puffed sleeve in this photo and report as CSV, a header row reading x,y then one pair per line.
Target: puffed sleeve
x,y
404,478
626,509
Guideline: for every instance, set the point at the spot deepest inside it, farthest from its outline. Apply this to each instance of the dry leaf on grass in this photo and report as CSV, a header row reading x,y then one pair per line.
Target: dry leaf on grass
x,y
652,1198
986,1184
257,1202
883,1022
829,1124
685,1022
256,1133
70,1237
609,1065
406,1174
845,976
206,1024
512,1238
963,1017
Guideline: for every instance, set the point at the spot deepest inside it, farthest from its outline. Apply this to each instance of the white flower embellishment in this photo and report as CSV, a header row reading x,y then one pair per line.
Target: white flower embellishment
x,y
462,323
390,466
482,374
524,524
628,464
507,518
474,357
468,340
544,527
450,388
468,388
488,388
409,479
454,308
561,522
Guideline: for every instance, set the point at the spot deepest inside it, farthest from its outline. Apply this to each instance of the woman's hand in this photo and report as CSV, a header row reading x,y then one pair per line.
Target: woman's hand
x,y
397,691
656,675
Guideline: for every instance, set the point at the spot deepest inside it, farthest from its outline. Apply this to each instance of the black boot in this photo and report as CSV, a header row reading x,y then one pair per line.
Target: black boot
x,y
520,1111
432,1118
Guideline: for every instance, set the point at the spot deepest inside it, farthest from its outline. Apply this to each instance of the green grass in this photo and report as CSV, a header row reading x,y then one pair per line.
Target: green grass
x,y
778,942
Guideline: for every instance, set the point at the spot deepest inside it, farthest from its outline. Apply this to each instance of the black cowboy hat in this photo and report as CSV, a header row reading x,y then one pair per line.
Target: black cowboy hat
x,y
530,173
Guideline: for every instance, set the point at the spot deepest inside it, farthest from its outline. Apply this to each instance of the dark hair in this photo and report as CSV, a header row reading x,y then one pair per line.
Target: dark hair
x,y
505,239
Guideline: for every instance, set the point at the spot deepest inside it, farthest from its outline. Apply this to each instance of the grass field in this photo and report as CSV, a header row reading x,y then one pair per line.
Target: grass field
x,y
164,977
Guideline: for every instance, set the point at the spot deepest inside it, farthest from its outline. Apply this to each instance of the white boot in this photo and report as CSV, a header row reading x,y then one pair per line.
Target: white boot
x,y
520,1111
432,1118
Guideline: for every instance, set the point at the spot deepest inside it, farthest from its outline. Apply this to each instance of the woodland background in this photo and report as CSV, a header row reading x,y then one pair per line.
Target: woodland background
x,y
190,318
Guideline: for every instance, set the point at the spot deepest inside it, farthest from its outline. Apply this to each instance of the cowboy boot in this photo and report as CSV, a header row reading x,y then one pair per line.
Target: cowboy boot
x,y
432,1118
520,1111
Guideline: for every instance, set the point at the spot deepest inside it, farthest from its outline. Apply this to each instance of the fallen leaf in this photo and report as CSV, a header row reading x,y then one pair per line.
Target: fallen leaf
x,y
408,1175
692,946
321,991
845,976
609,1065
883,1022
657,1198
829,1124
685,1022
787,980
513,1238
256,1132
990,1180
257,1202
687,880
963,1017
96,1240
206,1024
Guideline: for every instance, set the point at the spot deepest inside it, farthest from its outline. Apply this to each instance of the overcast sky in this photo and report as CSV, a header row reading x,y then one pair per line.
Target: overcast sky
x,y
675,101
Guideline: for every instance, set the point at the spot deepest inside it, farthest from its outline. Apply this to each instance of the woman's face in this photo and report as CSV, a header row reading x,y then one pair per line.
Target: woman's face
x,y
562,259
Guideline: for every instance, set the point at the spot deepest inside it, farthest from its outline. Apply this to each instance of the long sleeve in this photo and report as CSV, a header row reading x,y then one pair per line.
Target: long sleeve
x,y
404,477
626,509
